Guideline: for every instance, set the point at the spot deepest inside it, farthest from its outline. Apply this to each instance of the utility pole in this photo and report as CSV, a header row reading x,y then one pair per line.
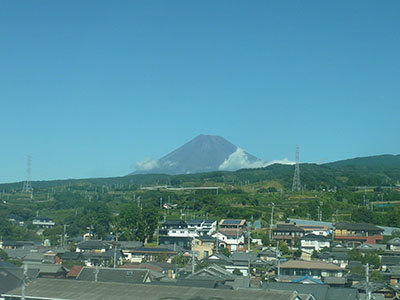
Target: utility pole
x,y
24,281
193,262
115,255
367,289
272,222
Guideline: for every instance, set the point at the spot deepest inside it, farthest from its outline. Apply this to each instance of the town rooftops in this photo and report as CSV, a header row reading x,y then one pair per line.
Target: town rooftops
x,y
231,232
310,265
84,290
358,227
92,245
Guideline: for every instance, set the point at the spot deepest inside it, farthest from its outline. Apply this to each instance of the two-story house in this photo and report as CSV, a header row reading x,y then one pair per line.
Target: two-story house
x,y
312,242
204,246
202,226
232,239
357,233
289,233
315,269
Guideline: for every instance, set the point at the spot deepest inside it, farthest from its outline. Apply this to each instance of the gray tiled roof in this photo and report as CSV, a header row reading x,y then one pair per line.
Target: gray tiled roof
x,y
83,290
114,275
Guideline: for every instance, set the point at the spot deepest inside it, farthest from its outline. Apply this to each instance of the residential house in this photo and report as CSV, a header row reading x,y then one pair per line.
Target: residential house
x,y
292,269
16,220
204,246
389,261
176,232
312,242
393,244
203,226
233,224
232,239
142,254
357,233
219,259
93,246
289,233
268,254
43,222
11,245
338,258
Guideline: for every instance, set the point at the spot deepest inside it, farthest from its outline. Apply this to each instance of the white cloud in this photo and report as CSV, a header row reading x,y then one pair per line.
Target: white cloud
x,y
239,160
284,161
147,164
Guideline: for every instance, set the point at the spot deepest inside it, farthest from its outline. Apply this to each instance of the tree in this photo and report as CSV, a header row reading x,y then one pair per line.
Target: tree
x,y
362,214
225,251
96,216
237,272
3,255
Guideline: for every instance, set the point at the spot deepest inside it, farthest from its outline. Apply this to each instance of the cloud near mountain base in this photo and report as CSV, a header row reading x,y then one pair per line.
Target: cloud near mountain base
x,y
147,164
239,160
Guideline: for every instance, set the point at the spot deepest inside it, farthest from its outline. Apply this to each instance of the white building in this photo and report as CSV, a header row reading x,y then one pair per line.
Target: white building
x,y
230,239
311,242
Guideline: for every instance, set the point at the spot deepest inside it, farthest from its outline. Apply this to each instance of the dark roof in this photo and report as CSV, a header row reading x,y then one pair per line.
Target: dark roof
x,y
152,250
84,290
206,238
93,244
334,255
195,222
174,223
18,243
315,237
70,255
390,260
113,275
8,281
288,227
358,226
319,291
129,244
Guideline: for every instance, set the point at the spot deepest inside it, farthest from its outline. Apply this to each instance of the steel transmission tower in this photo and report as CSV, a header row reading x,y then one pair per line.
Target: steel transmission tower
x,y
27,188
296,178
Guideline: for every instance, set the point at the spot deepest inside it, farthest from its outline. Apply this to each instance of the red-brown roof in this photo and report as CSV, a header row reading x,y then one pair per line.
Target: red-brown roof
x,y
74,271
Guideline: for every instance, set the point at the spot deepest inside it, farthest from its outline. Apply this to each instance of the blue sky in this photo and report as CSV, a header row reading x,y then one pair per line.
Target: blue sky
x,y
89,88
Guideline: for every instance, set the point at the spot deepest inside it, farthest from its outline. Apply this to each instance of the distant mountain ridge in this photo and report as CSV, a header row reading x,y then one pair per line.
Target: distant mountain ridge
x,y
204,153
376,162
372,170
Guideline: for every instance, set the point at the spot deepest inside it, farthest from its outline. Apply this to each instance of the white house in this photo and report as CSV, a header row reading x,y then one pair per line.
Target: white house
x,y
311,242
230,239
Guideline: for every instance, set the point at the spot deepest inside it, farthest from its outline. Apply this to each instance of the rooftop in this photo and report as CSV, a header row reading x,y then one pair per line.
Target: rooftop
x,y
310,265
83,290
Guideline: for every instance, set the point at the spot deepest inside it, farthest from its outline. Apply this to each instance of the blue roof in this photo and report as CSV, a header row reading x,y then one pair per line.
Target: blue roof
x,y
309,278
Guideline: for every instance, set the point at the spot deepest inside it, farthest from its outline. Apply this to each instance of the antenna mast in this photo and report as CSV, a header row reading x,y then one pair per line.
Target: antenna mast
x,y
296,178
27,188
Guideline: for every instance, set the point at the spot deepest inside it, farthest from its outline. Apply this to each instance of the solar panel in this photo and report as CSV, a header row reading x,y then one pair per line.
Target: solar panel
x,y
232,222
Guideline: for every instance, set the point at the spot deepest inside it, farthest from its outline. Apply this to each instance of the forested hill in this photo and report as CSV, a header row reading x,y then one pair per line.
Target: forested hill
x,y
374,170
386,161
